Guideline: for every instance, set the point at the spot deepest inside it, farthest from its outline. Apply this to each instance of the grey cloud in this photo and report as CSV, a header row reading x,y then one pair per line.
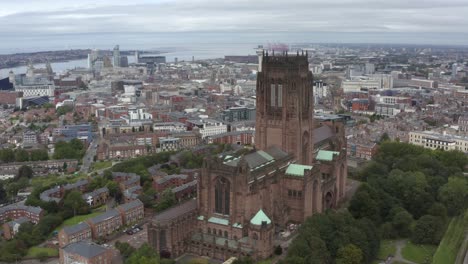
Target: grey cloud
x,y
243,15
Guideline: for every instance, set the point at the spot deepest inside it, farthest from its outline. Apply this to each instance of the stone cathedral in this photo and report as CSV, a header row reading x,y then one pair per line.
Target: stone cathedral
x,y
298,168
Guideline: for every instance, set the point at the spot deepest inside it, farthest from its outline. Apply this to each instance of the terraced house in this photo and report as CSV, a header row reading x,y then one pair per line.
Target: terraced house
x,y
105,224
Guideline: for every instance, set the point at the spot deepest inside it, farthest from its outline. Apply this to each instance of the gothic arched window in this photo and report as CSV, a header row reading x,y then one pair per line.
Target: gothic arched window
x,y
222,196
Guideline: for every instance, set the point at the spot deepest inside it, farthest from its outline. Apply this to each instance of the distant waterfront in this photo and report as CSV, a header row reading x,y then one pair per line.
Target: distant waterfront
x,y
199,52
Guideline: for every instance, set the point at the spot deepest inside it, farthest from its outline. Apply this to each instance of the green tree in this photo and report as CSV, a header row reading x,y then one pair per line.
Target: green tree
x,y
96,183
454,195
428,230
47,224
113,187
69,150
3,193
7,155
75,202
124,248
39,154
384,137
438,209
350,254
64,109
402,223
21,155
143,255
25,172
364,205
167,200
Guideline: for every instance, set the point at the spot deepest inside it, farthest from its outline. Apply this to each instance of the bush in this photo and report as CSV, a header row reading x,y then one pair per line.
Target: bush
x,y
42,256
278,250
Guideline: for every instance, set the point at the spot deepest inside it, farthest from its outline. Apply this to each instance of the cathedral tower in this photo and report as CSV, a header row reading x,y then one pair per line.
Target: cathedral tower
x,y
285,106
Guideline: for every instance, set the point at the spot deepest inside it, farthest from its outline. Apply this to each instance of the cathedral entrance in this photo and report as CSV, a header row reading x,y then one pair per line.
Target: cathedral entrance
x,y
314,197
329,200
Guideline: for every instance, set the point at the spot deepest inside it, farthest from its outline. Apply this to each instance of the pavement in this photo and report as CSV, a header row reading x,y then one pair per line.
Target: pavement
x,y
135,240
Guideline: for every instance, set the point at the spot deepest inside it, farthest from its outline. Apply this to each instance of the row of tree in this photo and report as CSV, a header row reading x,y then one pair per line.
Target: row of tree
x,y
334,237
75,149
143,255
408,192
21,155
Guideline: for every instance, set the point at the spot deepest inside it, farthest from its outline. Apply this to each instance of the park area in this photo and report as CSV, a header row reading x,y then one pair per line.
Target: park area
x,y
80,218
402,251
100,165
41,252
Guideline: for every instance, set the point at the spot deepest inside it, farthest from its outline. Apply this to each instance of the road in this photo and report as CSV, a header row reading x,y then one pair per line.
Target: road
x,y
88,158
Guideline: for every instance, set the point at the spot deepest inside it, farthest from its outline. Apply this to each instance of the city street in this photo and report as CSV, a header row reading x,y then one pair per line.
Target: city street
x,y
88,158
135,240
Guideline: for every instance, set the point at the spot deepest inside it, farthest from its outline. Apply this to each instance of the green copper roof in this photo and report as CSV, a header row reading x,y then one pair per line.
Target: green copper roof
x,y
297,169
326,155
265,155
201,217
259,218
219,221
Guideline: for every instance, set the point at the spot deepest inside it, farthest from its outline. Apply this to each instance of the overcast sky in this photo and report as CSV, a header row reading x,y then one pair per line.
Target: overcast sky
x,y
144,16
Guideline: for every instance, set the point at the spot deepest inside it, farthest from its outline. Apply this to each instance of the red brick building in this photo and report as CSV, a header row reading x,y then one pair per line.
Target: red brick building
x,y
34,214
85,252
170,181
235,137
360,105
74,233
131,212
105,224
9,97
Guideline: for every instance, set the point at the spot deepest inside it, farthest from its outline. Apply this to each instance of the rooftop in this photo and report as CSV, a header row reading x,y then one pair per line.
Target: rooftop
x,y
85,249
176,211
259,218
326,155
297,169
105,216
75,228
219,221
131,205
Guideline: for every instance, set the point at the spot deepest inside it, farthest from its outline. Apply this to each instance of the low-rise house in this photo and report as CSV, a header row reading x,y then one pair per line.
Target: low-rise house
x,y
33,213
131,212
186,190
105,224
85,252
43,167
57,193
132,193
97,197
10,229
74,233
170,181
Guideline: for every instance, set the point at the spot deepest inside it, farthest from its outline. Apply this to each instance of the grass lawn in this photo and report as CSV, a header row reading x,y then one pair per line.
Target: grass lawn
x,y
34,251
418,253
101,165
387,247
77,219
54,179
451,242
